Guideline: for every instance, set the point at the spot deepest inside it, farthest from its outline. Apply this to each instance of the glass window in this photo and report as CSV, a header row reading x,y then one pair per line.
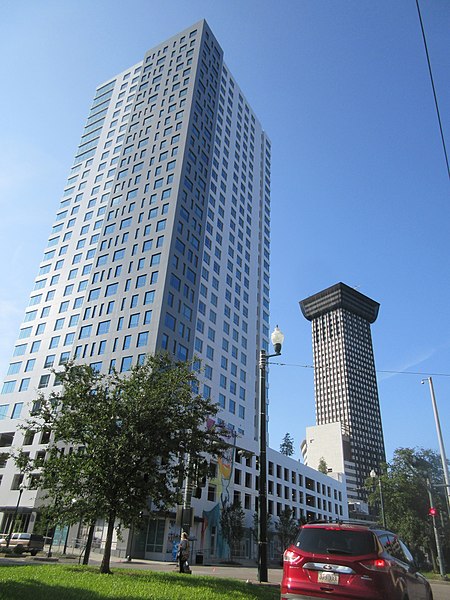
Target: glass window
x,y
8,387
40,328
103,327
85,331
352,543
59,324
155,536
64,306
30,365
134,320
64,358
141,280
142,339
126,363
111,289
17,408
49,360
24,384
43,382
30,316
73,320
20,350
14,368
69,339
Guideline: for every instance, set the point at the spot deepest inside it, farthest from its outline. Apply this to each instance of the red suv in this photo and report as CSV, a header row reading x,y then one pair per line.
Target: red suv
x,y
347,562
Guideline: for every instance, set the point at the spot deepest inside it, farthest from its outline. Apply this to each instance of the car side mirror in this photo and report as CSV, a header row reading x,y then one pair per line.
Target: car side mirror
x,y
413,568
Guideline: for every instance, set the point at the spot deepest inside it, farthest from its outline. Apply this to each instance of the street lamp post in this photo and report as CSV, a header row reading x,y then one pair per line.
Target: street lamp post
x,y
16,510
277,338
373,475
441,442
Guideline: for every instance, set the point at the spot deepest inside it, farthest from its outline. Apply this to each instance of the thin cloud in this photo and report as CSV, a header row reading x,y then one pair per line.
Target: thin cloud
x,y
408,366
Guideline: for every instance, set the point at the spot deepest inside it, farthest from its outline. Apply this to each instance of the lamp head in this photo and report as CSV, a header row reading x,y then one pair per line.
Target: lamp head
x,y
277,338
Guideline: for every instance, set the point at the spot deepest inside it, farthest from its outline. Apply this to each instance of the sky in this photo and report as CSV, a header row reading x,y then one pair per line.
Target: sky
x,y
360,189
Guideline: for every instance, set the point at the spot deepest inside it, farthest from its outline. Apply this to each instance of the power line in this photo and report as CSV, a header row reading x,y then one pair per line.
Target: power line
x,y
391,372
434,89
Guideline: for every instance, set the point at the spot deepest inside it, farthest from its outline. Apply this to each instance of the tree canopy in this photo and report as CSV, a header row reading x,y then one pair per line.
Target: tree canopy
x,y
406,499
119,442
287,445
232,524
322,467
287,528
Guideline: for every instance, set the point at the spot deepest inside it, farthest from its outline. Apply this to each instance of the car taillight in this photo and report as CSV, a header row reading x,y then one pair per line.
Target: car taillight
x,y
376,564
291,557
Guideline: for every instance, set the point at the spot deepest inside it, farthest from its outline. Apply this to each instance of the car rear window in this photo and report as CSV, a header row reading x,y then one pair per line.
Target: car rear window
x,y
335,541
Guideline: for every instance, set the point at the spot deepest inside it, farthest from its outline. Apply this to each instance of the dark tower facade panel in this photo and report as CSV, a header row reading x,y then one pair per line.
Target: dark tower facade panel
x,y
344,373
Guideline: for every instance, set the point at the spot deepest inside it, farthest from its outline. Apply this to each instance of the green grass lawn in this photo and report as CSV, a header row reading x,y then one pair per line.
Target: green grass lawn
x,y
65,582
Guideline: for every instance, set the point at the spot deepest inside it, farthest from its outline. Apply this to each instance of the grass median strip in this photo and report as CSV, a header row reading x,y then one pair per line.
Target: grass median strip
x,y
65,582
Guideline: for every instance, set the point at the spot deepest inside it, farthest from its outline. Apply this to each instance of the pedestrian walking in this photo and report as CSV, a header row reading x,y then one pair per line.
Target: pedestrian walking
x,y
183,553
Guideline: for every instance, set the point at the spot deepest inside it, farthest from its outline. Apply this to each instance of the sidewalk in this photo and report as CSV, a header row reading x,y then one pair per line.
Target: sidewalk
x,y
245,573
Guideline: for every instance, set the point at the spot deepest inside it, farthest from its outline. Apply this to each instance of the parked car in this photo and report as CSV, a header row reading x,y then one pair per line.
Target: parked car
x,y
24,542
347,562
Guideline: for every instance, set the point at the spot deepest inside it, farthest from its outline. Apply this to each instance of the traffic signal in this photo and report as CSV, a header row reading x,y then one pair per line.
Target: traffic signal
x,y
432,511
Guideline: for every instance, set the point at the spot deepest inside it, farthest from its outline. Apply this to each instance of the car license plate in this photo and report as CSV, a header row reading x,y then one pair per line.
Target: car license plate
x,y
327,577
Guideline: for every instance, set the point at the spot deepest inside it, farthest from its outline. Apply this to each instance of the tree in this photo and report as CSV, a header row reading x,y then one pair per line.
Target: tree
x,y
287,528
232,524
119,441
323,467
256,526
287,445
405,497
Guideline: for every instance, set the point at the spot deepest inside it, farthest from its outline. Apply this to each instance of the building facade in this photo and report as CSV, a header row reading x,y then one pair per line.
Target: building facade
x,y
345,385
161,241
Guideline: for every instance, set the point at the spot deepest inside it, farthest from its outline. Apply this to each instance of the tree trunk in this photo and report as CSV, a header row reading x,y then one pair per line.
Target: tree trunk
x,y
87,550
104,567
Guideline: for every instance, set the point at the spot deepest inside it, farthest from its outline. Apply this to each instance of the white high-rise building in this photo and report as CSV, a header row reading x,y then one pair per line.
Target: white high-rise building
x,y
161,241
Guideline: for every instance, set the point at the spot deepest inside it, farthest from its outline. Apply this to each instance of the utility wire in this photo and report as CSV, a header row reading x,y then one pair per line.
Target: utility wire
x,y
376,370
434,89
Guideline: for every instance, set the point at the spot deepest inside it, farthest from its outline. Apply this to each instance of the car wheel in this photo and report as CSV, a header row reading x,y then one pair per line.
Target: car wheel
x,y
429,595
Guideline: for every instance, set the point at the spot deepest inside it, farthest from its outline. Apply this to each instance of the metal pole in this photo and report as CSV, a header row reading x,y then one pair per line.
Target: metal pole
x,y
383,516
130,542
441,444
16,510
436,534
186,513
262,503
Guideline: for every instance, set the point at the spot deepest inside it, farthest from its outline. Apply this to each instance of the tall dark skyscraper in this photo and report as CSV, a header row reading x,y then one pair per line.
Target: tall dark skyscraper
x,y
345,378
